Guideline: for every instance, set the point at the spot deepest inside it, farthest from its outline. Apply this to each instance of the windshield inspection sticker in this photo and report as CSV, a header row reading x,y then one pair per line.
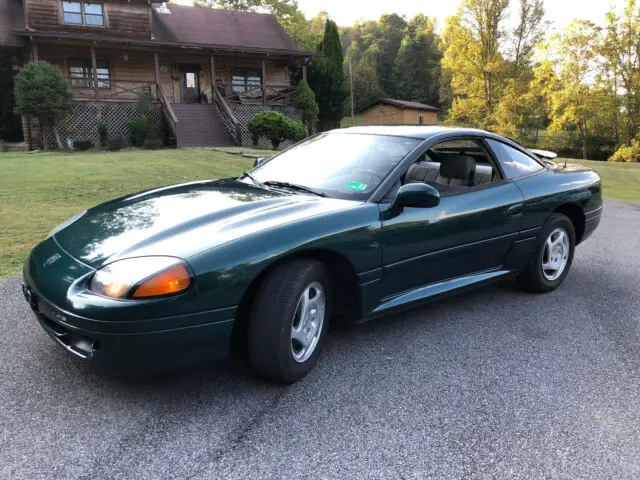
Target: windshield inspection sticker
x,y
361,187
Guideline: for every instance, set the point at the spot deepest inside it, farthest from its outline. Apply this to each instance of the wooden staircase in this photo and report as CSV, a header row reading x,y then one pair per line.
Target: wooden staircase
x,y
200,126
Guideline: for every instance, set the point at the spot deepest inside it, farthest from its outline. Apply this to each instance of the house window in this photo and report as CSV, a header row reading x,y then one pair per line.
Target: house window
x,y
81,73
246,79
83,13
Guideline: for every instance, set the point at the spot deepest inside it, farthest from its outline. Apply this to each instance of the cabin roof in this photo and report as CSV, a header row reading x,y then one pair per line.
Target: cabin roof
x,y
208,26
11,18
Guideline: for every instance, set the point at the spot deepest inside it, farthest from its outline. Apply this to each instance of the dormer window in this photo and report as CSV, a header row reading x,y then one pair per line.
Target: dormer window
x,y
83,13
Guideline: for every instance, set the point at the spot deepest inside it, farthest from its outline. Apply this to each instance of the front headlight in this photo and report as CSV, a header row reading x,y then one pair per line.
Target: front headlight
x,y
142,277
66,223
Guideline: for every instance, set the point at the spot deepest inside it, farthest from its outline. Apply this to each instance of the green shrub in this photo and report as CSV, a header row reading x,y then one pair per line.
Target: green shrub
x,y
142,127
153,143
305,102
627,153
103,133
42,92
275,127
116,143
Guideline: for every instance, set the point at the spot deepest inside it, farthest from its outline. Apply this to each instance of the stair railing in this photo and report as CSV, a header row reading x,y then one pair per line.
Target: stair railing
x,y
170,115
230,121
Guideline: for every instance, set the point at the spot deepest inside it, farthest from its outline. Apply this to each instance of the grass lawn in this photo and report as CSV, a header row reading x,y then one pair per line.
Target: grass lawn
x,y
38,191
620,181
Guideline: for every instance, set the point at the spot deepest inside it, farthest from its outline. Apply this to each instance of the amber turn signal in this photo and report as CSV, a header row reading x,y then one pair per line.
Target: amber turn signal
x,y
174,280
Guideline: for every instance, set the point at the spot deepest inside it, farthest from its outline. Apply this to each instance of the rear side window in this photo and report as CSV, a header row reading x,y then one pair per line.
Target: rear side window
x,y
514,163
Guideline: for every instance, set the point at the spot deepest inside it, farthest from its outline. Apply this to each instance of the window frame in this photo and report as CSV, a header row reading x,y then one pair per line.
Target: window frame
x,y
244,86
500,180
83,14
87,65
382,194
516,147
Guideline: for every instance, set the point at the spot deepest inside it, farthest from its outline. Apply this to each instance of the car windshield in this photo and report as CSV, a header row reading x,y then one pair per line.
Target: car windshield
x,y
340,165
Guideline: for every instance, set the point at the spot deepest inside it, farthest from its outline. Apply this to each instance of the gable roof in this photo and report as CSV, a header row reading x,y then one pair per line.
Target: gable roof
x,y
220,28
11,18
404,104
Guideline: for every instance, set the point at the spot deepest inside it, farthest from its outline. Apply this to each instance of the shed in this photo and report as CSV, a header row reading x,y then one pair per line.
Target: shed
x,y
387,111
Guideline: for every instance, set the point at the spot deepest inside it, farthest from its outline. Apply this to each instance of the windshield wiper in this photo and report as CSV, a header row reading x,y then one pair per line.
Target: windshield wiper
x,y
248,175
293,186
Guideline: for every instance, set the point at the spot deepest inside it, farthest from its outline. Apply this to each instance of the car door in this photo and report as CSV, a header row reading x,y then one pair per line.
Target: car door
x,y
470,231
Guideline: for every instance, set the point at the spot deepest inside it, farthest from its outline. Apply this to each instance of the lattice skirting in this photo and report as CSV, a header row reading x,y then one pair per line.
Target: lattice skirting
x,y
82,124
244,113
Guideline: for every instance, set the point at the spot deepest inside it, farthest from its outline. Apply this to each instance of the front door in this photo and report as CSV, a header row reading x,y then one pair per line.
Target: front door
x,y
470,231
189,83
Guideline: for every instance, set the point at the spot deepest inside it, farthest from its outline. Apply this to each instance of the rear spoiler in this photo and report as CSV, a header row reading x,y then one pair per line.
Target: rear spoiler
x,y
544,154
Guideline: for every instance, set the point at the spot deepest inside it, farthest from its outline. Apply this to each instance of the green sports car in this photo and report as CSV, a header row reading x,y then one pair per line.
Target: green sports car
x,y
357,222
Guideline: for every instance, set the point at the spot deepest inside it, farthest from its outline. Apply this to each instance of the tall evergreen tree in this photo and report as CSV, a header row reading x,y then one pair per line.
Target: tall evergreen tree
x,y
327,79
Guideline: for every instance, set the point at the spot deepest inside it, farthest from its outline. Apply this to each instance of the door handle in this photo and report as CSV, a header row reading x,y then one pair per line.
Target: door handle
x,y
515,210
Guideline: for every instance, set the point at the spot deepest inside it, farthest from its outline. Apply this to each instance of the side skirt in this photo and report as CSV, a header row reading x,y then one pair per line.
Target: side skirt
x,y
437,290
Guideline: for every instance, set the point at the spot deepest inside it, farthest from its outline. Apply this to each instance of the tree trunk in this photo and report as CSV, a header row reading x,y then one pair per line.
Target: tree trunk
x,y
584,146
56,134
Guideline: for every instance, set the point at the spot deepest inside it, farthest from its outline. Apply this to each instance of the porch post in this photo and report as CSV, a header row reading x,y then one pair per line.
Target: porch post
x,y
156,61
304,72
213,78
264,81
34,52
94,68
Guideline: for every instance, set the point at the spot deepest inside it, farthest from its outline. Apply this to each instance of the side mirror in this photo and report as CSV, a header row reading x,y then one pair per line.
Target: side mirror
x,y
417,195
258,161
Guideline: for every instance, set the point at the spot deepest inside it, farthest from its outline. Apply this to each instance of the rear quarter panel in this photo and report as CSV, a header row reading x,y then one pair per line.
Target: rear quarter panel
x,y
548,190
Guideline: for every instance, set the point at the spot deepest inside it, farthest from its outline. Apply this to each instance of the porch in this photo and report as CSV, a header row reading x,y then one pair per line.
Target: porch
x,y
236,86
117,75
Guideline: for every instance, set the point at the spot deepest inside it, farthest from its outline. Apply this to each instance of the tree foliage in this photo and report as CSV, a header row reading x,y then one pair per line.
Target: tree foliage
x,y
327,79
42,92
416,70
575,103
306,104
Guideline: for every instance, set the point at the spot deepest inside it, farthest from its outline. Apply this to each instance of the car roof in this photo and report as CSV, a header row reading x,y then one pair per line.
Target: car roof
x,y
413,131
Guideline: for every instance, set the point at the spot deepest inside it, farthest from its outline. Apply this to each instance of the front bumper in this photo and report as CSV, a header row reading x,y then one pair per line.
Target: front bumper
x,y
136,347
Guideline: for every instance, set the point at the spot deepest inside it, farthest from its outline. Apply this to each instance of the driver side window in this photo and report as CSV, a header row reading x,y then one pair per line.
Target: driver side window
x,y
454,166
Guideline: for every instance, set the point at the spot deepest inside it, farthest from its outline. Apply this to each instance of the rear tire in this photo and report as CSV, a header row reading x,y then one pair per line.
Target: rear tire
x,y
289,320
550,262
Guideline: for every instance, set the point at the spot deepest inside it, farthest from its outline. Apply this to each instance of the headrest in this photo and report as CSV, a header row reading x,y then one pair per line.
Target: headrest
x,y
457,166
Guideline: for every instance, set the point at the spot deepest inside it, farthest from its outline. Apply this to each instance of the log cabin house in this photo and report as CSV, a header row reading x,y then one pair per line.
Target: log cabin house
x,y
209,71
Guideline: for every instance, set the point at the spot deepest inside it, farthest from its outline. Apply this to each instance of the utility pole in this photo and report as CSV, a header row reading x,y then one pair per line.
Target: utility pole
x,y
353,118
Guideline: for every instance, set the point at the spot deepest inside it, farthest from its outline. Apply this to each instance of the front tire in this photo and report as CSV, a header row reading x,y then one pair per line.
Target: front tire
x,y
289,320
550,262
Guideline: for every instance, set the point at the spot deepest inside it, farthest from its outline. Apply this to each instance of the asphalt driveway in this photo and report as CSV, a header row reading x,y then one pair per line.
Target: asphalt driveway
x,y
493,384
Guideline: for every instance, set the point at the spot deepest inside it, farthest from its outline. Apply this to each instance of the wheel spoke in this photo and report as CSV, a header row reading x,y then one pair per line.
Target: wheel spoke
x,y
307,322
556,253
298,335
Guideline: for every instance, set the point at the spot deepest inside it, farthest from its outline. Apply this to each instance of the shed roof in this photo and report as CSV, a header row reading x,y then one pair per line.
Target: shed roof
x,y
404,104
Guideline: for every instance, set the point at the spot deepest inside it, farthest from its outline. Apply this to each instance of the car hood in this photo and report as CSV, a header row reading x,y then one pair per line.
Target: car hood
x,y
183,220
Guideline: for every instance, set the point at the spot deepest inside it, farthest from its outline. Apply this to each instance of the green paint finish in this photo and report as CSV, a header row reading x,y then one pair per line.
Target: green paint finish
x,y
231,232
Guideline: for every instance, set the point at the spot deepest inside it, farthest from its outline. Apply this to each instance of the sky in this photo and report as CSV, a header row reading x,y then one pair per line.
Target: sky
x,y
346,12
